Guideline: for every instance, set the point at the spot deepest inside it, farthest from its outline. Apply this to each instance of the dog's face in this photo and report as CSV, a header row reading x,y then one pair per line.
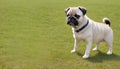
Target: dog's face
x,y
75,15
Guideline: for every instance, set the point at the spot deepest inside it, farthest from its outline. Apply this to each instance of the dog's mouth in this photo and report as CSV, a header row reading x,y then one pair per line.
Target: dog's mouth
x,y
73,25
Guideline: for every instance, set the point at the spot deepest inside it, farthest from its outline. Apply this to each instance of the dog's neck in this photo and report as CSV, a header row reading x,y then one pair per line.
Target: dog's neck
x,y
84,22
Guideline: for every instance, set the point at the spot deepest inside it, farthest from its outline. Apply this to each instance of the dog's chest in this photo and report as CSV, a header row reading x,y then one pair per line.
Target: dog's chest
x,y
80,35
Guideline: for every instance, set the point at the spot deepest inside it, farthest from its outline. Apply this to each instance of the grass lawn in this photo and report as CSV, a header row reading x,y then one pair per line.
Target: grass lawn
x,y
34,35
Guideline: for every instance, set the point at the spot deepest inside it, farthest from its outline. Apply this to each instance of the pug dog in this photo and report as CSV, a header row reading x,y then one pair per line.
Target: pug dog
x,y
85,29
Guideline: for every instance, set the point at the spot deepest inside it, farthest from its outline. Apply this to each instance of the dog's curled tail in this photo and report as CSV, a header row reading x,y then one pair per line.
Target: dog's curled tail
x,y
107,21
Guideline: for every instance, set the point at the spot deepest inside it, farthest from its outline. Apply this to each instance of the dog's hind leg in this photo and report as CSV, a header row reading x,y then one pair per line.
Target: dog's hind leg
x,y
109,41
96,48
110,47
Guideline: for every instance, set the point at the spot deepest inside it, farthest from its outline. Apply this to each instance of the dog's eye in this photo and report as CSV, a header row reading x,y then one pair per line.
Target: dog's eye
x,y
77,16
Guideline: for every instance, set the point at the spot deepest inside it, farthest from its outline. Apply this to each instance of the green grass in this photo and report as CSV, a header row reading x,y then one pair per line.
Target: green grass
x,y
34,35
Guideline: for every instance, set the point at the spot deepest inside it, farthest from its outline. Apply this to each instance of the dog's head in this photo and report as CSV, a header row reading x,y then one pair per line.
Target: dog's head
x,y
75,15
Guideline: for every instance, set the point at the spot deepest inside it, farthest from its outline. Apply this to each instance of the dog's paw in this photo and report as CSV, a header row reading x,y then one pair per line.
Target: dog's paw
x,y
85,56
95,49
109,53
72,51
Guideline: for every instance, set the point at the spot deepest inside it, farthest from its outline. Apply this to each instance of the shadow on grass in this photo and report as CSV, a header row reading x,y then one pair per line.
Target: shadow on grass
x,y
100,57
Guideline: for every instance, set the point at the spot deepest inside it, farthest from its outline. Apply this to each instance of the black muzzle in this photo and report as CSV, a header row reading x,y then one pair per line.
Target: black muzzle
x,y
72,21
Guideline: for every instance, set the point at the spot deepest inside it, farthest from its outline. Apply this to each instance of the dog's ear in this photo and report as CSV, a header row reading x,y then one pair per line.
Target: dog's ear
x,y
66,10
83,9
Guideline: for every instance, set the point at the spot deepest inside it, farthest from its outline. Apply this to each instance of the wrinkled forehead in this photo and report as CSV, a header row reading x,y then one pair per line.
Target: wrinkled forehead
x,y
74,10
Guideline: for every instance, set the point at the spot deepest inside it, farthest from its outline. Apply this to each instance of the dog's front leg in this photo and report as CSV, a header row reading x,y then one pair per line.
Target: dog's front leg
x,y
88,47
75,46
